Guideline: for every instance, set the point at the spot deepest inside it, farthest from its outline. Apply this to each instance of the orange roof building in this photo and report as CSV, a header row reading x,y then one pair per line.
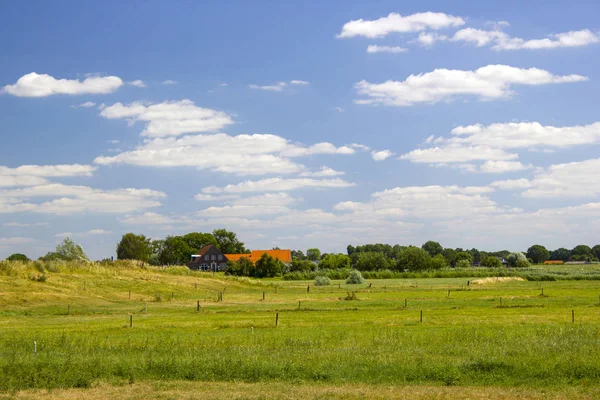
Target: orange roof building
x,y
284,256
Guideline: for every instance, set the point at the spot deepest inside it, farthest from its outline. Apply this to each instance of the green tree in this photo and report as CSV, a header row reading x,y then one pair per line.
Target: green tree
x,y
413,259
268,267
596,251
228,242
298,255
518,260
561,254
175,251
335,261
372,261
197,240
462,264
450,256
438,262
18,257
134,247
350,250
538,253
581,253
313,254
464,255
433,248
241,267
491,262
302,265
67,250
355,278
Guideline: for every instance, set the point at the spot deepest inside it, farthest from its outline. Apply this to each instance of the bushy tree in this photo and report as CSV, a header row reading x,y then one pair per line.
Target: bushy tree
x,y
518,260
561,254
596,251
438,262
67,250
313,254
450,256
197,240
433,248
355,278
372,261
268,267
134,247
18,257
302,266
464,256
242,267
413,259
538,253
175,251
298,255
228,242
335,261
462,264
491,262
581,253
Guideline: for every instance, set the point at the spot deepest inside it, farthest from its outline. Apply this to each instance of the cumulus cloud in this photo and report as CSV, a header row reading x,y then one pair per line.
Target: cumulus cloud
x,y
486,83
137,83
279,86
31,175
498,167
396,23
381,154
323,172
87,104
457,154
298,82
430,38
576,179
77,199
170,118
279,185
42,85
499,40
511,184
373,48
256,154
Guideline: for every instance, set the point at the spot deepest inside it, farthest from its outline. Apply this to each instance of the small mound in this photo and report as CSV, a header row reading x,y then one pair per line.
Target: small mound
x,y
489,281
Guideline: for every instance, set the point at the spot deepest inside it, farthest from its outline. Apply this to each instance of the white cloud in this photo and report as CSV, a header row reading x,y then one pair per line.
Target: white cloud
x,y
498,167
381,154
170,118
13,241
576,179
511,184
298,82
212,197
243,211
78,199
499,40
31,175
457,154
277,87
397,23
266,199
148,218
486,83
373,48
95,232
169,82
42,85
137,83
278,185
323,172
87,104
319,148
17,181
429,38
339,109
113,141
26,225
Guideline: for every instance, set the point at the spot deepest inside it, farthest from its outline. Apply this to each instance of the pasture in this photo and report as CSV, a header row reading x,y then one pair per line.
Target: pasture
x,y
109,330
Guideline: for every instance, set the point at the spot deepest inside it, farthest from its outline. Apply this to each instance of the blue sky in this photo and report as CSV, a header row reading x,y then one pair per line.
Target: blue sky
x,y
299,124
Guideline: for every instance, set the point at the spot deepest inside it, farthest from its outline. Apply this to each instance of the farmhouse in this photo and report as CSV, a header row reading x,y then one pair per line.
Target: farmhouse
x,y
209,258
285,256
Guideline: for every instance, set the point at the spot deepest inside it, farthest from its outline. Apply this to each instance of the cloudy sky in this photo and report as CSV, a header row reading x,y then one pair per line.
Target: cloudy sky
x,y
300,124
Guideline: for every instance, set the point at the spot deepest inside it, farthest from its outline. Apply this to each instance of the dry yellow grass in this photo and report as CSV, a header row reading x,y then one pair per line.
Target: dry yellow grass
x,y
275,390
489,281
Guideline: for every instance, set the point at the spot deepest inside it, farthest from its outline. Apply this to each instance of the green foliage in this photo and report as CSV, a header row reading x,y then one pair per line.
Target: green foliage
x,y
538,254
241,267
228,242
355,278
450,256
462,264
464,255
371,261
491,262
582,250
268,267
335,261
322,281
298,255
175,251
67,250
134,247
517,260
561,254
413,259
302,265
433,248
18,257
313,254
438,262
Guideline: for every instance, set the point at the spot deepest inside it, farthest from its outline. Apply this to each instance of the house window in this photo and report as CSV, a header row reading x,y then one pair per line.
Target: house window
x,y
206,257
214,257
220,257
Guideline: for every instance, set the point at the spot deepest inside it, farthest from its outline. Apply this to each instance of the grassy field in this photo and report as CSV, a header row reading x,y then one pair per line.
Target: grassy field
x,y
492,338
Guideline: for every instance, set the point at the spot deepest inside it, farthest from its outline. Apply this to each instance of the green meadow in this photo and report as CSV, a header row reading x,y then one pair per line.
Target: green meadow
x,y
108,330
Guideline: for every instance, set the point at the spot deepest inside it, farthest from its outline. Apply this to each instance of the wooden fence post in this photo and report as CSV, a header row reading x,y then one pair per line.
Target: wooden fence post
x,y
198,306
572,315
299,303
448,292
172,295
421,319
500,301
405,303
308,289
130,321
276,319
263,295
130,295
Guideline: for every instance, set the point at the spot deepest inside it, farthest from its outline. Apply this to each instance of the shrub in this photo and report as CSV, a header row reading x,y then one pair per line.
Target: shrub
x,y
463,264
322,281
371,261
438,262
413,259
335,261
18,257
491,262
355,278
302,266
